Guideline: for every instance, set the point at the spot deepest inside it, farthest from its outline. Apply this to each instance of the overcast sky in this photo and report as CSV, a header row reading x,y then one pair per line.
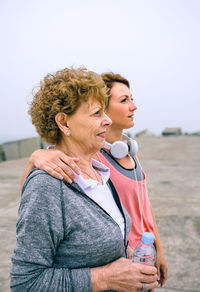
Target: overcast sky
x,y
153,43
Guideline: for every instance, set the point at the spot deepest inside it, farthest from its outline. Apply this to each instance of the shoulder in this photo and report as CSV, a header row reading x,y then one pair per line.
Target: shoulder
x,y
39,181
40,184
37,176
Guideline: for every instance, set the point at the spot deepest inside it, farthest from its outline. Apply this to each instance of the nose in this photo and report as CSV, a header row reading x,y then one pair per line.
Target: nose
x,y
106,120
133,107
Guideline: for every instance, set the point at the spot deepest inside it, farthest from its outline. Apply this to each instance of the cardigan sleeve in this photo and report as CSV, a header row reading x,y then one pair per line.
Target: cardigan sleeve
x,y
39,231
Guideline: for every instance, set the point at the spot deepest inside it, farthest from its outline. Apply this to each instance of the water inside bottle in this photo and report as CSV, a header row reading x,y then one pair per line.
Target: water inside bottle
x,y
144,259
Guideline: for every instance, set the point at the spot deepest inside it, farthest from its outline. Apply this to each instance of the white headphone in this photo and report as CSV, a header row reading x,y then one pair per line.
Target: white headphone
x,y
120,149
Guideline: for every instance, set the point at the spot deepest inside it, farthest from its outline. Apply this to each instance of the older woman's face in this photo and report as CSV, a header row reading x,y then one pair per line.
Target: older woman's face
x,y
121,106
88,126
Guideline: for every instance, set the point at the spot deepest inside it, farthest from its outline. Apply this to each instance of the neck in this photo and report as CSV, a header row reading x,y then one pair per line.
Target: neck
x,y
75,150
113,134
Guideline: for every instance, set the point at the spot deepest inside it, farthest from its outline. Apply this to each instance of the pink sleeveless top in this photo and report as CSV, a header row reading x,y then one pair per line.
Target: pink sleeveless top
x,y
127,190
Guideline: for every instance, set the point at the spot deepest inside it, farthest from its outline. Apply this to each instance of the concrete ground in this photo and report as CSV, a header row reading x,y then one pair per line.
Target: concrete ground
x,y
172,166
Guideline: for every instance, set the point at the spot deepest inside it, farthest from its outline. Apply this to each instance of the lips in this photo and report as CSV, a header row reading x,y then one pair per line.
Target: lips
x,y
102,135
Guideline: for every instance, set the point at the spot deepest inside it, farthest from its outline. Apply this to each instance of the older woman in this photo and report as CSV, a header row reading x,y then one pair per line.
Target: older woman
x,y
73,237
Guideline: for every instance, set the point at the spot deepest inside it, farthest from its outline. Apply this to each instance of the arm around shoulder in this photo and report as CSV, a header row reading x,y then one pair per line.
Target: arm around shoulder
x,y
54,162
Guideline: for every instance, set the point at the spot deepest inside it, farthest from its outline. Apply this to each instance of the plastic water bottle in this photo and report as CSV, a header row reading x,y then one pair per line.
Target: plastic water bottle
x,y
145,252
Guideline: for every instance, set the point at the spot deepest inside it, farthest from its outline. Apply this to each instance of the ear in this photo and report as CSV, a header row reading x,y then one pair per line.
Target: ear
x,y
62,122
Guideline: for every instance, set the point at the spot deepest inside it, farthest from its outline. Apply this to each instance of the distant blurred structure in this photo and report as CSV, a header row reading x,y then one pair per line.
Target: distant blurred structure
x,y
172,132
195,133
20,148
145,133
2,154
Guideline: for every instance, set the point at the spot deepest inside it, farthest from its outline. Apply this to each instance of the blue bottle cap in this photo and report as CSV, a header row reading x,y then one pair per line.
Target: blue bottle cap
x,y
147,238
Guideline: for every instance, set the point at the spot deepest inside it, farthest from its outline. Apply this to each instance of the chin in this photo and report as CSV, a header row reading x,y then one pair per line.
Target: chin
x,y
98,146
128,126
101,142
102,145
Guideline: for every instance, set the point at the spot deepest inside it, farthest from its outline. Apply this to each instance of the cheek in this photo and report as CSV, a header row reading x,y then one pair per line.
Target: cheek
x,y
90,128
112,112
115,113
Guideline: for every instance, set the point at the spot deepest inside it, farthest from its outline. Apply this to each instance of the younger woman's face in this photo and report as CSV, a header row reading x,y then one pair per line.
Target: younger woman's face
x,y
121,107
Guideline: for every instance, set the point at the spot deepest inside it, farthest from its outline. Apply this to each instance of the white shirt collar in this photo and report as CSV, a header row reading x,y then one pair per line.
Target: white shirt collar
x,y
103,170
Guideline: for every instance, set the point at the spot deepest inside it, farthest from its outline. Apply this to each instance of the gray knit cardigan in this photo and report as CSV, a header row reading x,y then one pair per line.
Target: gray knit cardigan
x,y
61,234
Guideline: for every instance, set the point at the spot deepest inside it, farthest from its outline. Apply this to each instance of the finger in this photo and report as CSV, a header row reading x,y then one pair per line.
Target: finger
x,y
164,276
63,172
148,279
50,169
63,166
149,286
162,282
72,163
52,172
58,158
68,177
147,270
158,270
68,165
66,171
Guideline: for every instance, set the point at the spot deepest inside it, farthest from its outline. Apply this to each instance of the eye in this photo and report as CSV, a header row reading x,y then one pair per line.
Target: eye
x,y
124,100
127,98
97,113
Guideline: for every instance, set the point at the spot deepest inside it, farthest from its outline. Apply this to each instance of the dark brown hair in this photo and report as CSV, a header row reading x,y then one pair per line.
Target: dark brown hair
x,y
110,78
